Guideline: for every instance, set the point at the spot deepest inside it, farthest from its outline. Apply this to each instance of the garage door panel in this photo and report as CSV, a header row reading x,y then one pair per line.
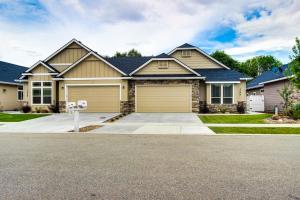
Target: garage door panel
x,y
163,98
99,98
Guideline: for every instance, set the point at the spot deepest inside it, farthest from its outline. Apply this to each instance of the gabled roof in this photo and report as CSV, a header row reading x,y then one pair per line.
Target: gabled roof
x,y
222,75
186,45
128,64
163,55
41,63
169,58
87,55
271,75
10,72
65,46
189,46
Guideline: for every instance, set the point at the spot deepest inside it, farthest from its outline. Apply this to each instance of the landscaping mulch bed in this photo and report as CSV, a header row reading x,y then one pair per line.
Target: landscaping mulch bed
x,y
282,120
87,128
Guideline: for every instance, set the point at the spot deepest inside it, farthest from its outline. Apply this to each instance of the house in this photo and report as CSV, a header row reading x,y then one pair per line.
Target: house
x,y
269,84
179,81
11,92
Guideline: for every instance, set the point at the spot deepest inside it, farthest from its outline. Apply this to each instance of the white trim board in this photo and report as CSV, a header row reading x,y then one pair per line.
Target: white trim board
x,y
94,78
165,59
84,57
200,51
166,78
9,83
37,63
222,82
275,80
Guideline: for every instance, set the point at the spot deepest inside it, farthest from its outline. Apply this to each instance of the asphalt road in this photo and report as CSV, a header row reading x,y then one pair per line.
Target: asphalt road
x,y
87,166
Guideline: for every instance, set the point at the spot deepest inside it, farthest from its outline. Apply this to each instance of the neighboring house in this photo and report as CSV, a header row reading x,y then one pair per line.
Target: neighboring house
x,y
11,92
175,82
269,84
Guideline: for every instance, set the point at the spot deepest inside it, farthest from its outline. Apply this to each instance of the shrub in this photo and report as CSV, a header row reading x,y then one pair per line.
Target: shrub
x,y
38,110
222,109
26,108
296,111
241,108
204,108
54,108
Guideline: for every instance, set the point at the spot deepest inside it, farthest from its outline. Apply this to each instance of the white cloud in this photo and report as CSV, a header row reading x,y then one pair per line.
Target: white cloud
x,y
149,26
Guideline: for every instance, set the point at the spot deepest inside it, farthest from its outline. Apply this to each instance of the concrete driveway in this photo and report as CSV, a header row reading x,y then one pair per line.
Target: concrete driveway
x,y
55,123
156,123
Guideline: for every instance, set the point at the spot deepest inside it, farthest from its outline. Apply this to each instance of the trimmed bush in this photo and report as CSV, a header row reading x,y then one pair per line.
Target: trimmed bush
x,y
204,108
54,108
241,108
26,109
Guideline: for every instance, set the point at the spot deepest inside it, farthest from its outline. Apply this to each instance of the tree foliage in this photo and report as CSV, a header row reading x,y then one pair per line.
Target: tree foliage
x,y
286,94
259,64
131,53
251,67
226,59
295,64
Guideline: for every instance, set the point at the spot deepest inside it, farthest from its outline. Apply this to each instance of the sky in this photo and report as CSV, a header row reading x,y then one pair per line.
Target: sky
x,y
30,30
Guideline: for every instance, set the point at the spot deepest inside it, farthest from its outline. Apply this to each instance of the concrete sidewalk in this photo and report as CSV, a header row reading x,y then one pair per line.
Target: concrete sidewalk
x,y
156,123
256,125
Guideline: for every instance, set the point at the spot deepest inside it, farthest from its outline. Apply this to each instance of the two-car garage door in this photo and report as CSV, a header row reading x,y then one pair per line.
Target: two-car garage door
x,y
99,98
163,98
148,98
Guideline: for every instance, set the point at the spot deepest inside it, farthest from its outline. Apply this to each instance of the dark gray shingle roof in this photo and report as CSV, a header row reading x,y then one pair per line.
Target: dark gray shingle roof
x,y
186,45
128,64
221,74
10,72
273,74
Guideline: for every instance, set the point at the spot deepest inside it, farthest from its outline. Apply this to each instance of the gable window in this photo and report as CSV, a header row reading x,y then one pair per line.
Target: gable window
x,y
20,92
186,53
222,93
41,92
163,64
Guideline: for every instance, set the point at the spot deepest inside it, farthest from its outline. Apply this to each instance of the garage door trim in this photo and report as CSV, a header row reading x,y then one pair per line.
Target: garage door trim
x,y
86,85
165,85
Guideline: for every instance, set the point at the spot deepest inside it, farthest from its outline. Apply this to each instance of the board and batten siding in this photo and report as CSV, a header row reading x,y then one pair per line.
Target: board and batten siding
x,y
171,68
92,67
196,60
40,69
69,55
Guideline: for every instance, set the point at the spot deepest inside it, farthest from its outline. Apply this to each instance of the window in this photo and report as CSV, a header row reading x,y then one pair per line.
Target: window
x,y
186,53
227,93
216,93
20,92
222,93
41,92
162,64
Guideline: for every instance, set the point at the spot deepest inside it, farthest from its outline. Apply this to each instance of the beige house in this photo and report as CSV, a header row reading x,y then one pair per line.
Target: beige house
x,y
11,92
180,81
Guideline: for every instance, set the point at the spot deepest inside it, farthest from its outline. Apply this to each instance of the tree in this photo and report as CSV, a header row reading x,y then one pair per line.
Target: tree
x,y
259,64
286,94
226,59
295,64
131,53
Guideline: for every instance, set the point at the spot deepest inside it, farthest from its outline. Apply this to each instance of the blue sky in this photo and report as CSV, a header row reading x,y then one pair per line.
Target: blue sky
x,y
30,30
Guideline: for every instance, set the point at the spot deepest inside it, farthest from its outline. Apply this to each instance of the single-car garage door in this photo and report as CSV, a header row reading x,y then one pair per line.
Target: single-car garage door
x,y
164,98
99,98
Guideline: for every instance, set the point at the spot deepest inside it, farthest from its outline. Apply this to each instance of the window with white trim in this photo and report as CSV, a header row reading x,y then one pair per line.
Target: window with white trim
x,y
41,92
222,93
186,53
20,92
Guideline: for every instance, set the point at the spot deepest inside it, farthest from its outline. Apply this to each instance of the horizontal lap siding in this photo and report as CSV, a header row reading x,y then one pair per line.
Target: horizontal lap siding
x,y
272,96
173,68
196,61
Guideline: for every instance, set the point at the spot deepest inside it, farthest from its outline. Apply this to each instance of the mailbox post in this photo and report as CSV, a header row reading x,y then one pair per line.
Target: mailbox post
x,y
74,109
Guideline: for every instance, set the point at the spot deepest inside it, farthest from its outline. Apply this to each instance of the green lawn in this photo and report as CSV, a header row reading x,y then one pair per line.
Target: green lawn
x,y
4,117
255,130
234,119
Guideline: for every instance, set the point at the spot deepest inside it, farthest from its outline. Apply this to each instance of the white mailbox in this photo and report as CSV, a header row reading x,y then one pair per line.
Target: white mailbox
x,y
71,106
82,104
